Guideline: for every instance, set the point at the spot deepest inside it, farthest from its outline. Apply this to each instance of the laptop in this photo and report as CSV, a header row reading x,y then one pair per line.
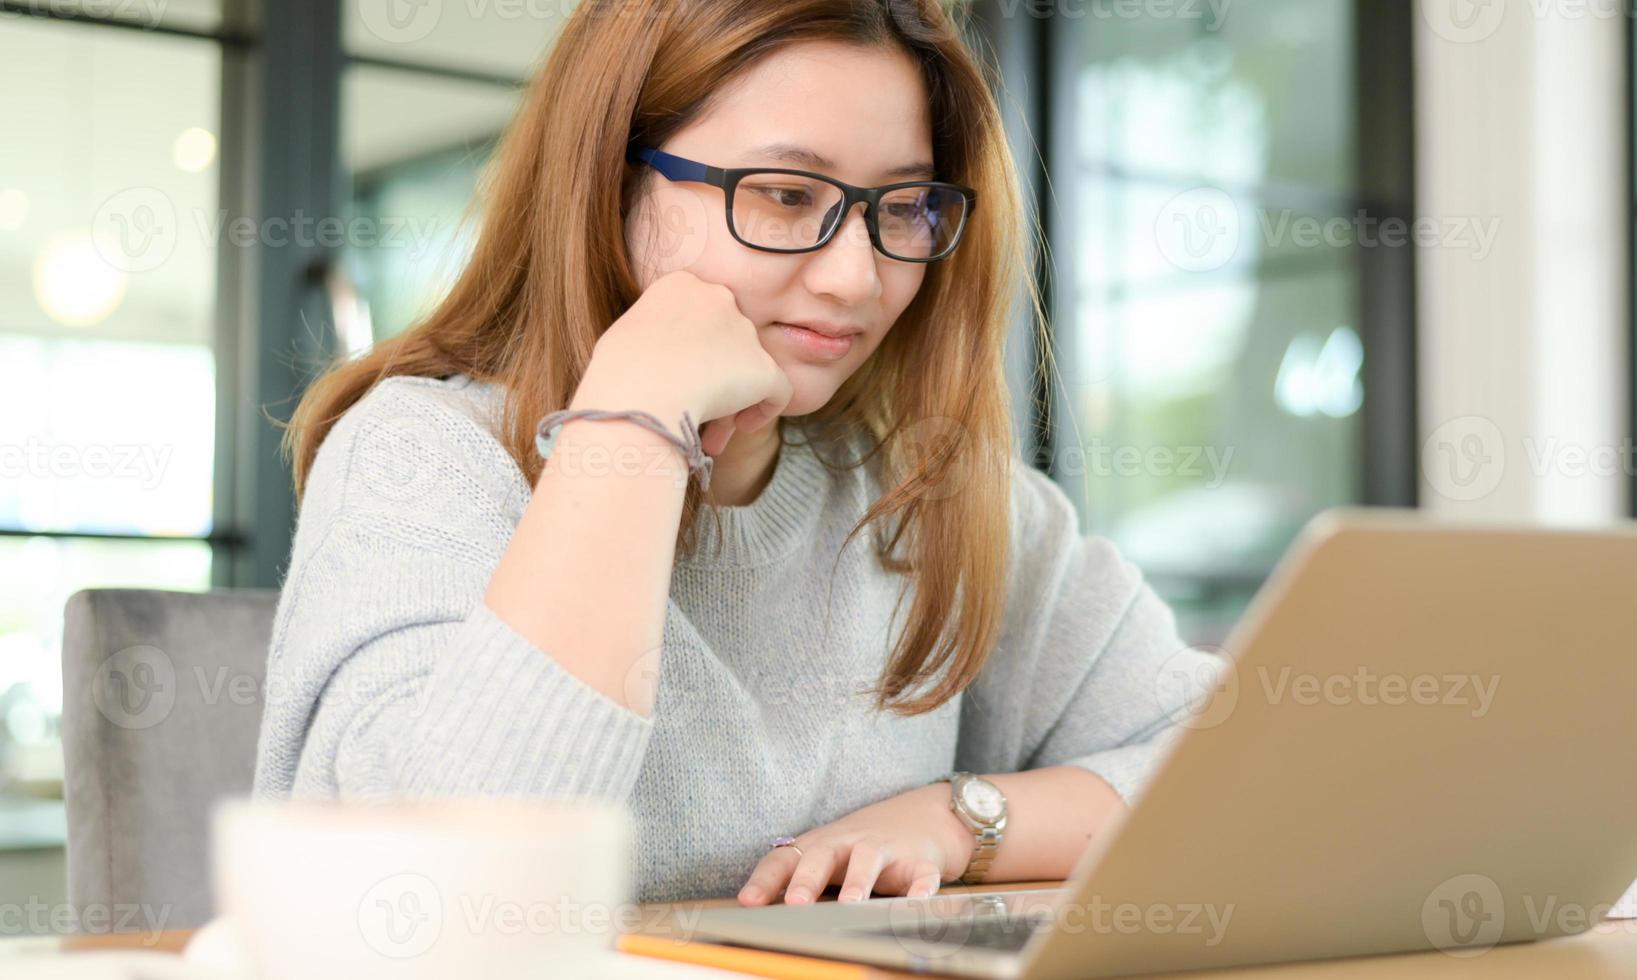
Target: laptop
x,y
1415,742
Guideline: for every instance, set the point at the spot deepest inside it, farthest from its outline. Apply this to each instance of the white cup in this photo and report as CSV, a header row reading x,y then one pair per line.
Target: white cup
x,y
496,888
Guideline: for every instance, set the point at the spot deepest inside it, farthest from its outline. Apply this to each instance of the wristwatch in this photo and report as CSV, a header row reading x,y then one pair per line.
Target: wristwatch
x,y
982,806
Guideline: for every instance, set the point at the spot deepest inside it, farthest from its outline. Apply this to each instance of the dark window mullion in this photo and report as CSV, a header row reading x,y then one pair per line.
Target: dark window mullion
x,y
289,98
435,70
1384,140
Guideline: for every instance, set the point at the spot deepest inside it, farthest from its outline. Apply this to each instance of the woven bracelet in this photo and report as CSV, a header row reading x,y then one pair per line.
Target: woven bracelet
x,y
545,435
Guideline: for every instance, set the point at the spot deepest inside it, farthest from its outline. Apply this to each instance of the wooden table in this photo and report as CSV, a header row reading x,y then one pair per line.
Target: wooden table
x,y
1607,951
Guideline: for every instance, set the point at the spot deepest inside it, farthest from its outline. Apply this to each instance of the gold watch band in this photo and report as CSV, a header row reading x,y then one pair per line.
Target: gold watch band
x,y
988,842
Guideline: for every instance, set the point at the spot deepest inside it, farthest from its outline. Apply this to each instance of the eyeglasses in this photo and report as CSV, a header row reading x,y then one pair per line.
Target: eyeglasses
x,y
792,211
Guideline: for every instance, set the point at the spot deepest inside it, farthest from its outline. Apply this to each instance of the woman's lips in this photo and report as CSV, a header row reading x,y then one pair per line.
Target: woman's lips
x,y
816,345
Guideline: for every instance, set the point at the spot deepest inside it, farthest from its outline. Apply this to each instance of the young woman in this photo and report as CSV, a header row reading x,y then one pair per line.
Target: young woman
x,y
796,222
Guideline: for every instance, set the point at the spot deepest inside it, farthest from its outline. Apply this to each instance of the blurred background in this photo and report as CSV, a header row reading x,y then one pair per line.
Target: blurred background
x,y
1300,253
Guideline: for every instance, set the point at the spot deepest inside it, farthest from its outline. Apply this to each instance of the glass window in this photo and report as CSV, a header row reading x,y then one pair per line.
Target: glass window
x,y
109,225
37,575
415,143
1252,95
504,38
1208,333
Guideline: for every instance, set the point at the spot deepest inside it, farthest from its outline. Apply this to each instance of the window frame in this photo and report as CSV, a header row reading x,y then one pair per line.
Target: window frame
x,y
1037,55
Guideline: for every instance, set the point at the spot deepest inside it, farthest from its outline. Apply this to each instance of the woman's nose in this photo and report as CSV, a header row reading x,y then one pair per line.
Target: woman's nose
x,y
845,266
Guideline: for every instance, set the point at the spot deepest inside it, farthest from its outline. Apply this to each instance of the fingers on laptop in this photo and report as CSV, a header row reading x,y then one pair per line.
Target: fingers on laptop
x,y
812,873
864,866
773,873
870,864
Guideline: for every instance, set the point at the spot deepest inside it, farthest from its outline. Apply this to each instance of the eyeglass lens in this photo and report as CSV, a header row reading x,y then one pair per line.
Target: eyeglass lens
x,y
787,211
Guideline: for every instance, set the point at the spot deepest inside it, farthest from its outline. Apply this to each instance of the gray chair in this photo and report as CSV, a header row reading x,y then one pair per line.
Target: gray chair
x,y
162,702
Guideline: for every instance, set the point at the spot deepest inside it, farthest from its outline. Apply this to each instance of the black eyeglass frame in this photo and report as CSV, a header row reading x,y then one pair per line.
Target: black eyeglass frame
x,y
675,168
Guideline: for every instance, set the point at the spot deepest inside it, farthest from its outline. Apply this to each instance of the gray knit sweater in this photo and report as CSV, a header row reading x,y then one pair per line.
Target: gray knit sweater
x,y
389,676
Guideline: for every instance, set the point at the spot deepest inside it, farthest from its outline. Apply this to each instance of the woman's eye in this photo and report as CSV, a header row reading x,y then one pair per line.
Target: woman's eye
x,y
789,197
905,210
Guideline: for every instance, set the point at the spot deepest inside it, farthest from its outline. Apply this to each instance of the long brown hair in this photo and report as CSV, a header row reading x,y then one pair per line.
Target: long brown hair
x,y
533,299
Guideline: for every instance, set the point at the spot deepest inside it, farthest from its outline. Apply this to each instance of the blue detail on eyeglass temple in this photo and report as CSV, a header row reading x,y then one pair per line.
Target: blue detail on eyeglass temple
x,y
673,167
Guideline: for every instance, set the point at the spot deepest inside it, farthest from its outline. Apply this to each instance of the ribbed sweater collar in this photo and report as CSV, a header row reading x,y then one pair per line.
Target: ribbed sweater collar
x,y
767,529
774,525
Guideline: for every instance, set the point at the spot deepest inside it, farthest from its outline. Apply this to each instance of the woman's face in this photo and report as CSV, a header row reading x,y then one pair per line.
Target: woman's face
x,y
857,114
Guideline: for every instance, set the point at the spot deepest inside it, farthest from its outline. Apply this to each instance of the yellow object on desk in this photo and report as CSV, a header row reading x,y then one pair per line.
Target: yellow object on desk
x,y
762,963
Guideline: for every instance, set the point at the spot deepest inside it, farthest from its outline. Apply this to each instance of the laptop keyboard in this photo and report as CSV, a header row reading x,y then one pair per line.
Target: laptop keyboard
x,y
1000,932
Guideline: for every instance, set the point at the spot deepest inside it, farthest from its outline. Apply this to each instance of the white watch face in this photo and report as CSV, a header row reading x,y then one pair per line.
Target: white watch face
x,y
982,799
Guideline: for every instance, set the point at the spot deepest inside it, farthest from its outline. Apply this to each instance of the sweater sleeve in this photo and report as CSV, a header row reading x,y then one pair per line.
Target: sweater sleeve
x,y
388,675
1090,669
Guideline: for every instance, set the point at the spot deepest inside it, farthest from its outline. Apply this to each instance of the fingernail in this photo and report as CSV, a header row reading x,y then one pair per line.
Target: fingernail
x,y
849,895
750,894
796,896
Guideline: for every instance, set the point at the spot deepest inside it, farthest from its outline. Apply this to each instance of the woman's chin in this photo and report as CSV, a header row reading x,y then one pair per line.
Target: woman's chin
x,y
805,401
